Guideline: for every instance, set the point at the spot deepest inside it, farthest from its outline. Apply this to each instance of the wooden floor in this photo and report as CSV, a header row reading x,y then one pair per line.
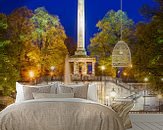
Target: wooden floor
x,y
147,121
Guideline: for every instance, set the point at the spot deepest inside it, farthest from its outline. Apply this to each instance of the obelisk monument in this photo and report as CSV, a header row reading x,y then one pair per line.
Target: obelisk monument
x,y
81,61
81,29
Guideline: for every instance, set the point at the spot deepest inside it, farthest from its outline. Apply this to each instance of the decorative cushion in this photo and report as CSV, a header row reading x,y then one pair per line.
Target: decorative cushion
x,y
50,95
80,91
123,109
28,90
92,92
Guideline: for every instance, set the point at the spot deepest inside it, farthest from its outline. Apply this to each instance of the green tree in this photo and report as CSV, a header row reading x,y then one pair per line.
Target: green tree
x,y
148,50
27,41
49,36
17,32
8,74
3,29
109,33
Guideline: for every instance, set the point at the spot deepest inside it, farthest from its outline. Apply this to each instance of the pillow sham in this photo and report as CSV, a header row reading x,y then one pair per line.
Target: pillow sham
x,y
31,89
19,94
92,92
50,95
123,109
24,92
80,91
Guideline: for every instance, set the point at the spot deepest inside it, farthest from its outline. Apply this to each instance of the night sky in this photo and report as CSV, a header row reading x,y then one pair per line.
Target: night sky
x,y
67,11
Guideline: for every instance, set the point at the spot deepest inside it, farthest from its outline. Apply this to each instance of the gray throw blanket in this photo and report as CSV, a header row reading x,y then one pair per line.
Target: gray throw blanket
x,y
59,114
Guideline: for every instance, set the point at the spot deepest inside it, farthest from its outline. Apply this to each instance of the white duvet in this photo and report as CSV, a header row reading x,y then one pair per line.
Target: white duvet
x,y
59,114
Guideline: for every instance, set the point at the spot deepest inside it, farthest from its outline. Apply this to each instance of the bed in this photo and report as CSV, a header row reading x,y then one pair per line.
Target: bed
x,y
61,111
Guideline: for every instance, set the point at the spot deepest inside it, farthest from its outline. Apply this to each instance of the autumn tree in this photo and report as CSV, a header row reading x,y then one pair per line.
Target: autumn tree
x,y
109,33
19,32
28,40
14,50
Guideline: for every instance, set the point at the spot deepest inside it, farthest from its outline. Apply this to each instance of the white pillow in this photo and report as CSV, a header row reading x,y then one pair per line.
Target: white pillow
x,y
24,93
50,95
80,91
92,92
19,94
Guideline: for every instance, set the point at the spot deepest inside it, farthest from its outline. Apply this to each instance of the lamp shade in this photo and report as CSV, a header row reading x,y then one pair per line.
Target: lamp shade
x,y
121,55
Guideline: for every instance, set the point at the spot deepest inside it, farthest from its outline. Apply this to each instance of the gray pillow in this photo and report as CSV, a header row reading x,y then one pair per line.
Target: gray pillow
x,y
31,89
50,95
80,91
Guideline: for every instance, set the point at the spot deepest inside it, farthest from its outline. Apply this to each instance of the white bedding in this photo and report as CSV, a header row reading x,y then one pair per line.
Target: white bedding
x,y
59,114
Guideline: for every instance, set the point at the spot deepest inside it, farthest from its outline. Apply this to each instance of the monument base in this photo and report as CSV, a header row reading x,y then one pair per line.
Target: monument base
x,y
81,63
80,53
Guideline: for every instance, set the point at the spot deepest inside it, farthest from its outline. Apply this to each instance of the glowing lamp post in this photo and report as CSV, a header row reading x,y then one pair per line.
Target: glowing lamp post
x,y
161,79
52,68
107,100
159,96
125,74
113,94
145,80
102,86
31,75
102,68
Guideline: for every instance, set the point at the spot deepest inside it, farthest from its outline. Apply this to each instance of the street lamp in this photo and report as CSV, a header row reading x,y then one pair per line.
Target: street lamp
x,y
125,76
107,100
145,80
31,75
159,96
5,79
102,68
113,94
52,68
102,87
161,79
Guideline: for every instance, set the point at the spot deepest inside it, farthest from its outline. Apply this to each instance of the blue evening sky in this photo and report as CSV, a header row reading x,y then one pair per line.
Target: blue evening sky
x,y
67,11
